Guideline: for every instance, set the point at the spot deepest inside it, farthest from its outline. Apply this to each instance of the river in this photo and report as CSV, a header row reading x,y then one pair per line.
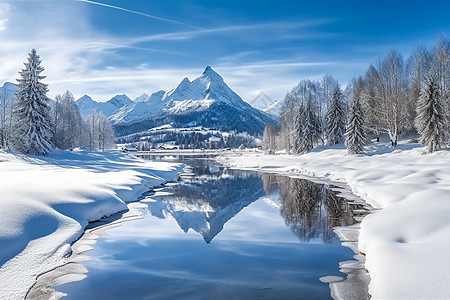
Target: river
x,y
220,233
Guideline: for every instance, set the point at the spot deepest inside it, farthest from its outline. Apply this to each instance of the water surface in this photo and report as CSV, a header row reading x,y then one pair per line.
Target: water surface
x,y
222,234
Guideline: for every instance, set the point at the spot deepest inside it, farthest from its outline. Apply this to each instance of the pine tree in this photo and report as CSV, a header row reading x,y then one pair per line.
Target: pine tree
x,y
355,135
430,120
32,115
335,118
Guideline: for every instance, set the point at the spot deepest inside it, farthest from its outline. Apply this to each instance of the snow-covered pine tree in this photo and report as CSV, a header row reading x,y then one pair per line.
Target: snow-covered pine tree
x,y
335,117
32,115
430,119
355,135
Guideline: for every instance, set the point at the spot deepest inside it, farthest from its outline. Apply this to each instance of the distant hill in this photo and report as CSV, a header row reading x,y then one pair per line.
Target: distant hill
x,y
87,105
8,89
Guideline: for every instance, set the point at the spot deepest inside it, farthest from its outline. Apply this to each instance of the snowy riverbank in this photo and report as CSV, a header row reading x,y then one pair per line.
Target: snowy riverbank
x,y
406,242
46,202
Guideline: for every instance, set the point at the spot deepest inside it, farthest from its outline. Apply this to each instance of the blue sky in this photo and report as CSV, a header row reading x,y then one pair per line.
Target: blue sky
x,y
109,47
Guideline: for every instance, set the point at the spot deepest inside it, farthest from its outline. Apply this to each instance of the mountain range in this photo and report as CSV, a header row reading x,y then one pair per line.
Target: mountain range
x,y
206,102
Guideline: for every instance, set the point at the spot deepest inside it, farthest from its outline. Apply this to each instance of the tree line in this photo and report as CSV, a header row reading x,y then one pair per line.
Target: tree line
x,y
396,96
192,140
30,122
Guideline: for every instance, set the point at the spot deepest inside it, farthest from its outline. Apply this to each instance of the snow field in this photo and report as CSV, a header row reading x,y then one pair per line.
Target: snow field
x,y
46,202
407,242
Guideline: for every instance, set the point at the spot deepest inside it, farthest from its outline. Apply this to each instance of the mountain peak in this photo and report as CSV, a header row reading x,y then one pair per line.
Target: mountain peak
x,y
210,73
121,96
156,97
85,98
183,86
120,100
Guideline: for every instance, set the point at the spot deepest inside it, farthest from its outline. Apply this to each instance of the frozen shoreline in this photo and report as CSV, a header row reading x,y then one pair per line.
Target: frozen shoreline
x,y
406,242
48,201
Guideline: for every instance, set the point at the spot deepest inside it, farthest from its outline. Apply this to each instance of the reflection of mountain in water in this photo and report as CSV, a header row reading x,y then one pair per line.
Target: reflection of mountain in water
x,y
309,209
214,195
204,203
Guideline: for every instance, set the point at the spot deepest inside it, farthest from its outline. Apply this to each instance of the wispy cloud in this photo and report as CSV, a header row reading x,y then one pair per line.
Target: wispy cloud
x,y
79,58
191,34
137,13
286,64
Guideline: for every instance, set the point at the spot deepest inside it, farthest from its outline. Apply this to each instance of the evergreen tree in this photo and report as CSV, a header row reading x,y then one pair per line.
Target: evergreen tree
x,y
430,120
33,123
335,117
355,135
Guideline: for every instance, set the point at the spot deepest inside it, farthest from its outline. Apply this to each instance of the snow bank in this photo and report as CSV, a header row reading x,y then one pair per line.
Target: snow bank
x,y
407,242
46,202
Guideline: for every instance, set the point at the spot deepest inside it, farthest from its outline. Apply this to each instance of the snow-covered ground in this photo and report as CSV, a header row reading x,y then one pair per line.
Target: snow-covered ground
x,y
407,242
46,202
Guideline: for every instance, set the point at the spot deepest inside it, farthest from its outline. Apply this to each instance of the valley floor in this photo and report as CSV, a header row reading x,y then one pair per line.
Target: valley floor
x,y
406,242
46,202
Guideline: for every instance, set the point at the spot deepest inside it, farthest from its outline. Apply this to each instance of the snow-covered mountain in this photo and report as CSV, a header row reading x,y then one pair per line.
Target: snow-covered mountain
x,y
139,110
120,100
186,97
87,105
206,101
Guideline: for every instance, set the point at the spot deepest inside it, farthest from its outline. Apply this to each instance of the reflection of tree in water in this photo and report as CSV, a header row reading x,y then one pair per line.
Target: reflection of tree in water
x,y
310,209
339,211
270,182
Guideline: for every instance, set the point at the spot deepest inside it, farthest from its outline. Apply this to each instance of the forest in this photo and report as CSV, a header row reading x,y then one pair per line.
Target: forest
x,y
397,96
